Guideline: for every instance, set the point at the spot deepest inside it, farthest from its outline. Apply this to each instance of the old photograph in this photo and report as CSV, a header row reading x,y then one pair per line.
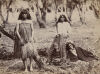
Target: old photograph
x,y
49,37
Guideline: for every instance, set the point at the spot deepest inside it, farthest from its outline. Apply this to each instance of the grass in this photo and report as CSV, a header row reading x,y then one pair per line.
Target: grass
x,y
85,36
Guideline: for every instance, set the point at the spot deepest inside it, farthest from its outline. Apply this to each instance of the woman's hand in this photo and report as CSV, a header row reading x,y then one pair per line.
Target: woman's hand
x,y
31,40
22,42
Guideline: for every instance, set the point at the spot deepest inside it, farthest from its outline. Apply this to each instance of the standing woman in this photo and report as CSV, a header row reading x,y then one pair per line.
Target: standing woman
x,y
63,31
25,34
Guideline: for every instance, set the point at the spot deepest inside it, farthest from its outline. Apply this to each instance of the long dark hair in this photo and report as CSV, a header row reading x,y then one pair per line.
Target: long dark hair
x,y
68,47
65,19
24,11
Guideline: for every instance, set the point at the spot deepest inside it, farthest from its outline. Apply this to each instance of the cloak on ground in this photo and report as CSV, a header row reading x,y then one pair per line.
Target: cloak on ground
x,y
82,54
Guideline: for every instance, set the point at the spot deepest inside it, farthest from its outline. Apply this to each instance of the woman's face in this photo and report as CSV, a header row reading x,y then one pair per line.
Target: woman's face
x,y
25,16
62,19
71,46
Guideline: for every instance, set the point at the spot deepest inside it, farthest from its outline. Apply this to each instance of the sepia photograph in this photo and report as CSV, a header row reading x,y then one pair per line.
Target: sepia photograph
x,y
49,36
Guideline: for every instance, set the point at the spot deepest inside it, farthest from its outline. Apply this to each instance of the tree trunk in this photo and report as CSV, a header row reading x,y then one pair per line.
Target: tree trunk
x,y
41,23
43,12
17,49
40,20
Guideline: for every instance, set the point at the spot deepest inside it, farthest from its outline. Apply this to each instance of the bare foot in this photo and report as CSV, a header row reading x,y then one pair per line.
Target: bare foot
x,y
31,69
26,70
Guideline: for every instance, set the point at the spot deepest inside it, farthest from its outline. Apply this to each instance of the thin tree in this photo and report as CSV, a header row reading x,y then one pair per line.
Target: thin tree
x,y
5,20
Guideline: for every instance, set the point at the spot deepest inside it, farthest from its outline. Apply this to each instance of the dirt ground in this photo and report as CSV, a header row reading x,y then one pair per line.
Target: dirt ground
x,y
85,36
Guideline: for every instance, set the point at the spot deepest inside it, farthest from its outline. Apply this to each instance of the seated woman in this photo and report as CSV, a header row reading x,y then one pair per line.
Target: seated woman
x,y
77,53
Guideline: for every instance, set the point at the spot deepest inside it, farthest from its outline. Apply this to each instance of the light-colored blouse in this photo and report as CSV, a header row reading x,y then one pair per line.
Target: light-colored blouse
x,y
64,28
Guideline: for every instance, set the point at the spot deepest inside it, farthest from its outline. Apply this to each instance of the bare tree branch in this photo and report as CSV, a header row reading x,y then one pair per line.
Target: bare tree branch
x,y
6,33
